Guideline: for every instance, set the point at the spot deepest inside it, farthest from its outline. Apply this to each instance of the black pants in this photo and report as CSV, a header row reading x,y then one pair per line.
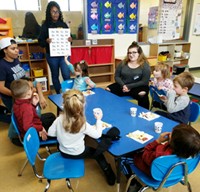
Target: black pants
x,y
143,101
89,153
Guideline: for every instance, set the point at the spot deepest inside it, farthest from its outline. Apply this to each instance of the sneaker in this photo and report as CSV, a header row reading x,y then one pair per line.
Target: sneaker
x,y
110,176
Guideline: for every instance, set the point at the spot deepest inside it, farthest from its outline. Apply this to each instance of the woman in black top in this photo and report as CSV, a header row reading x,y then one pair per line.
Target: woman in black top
x,y
54,19
132,76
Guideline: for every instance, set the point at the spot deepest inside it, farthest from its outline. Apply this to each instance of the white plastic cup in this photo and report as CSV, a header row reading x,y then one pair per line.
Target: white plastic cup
x,y
158,127
133,111
97,111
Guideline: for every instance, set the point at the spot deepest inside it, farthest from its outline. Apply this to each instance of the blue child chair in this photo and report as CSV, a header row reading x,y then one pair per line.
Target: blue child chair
x,y
166,171
55,166
194,112
67,84
42,143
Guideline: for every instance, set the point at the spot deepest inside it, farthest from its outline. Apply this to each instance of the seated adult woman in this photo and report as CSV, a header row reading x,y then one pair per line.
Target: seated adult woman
x,y
132,76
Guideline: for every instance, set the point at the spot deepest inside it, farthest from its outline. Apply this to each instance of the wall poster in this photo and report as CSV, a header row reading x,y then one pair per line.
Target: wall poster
x,y
196,30
170,20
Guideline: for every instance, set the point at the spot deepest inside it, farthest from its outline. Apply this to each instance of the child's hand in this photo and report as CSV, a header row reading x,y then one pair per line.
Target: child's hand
x,y
164,137
163,98
98,114
43,134
125,89
35,99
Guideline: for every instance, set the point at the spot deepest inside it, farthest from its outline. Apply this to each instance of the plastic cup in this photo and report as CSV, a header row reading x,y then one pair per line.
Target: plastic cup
x,y
158,127
133,111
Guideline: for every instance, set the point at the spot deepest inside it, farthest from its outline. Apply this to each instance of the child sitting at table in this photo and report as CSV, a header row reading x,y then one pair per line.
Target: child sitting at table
x,y
184,141
161,81
24,108
71,127
161,78
177,100
82,80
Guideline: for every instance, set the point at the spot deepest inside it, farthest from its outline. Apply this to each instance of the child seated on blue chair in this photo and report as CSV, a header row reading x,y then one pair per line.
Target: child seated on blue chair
x,y
82,80
183,141
177,100
24,108
161,80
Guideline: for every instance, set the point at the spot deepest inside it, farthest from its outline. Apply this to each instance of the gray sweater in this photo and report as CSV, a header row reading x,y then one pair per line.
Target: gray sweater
x,y
124,75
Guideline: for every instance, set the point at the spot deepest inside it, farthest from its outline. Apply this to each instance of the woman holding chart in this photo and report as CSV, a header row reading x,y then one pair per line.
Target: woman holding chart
x,y
54,19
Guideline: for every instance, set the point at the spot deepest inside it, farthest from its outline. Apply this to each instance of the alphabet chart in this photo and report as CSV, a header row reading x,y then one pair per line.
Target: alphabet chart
x,y
59,46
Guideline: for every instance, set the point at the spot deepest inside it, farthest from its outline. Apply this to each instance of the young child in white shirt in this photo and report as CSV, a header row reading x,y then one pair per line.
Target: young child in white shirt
x,y
71,127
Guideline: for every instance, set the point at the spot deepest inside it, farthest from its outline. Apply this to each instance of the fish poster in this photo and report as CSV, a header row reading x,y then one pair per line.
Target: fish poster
x,y
93,15
132,16
107,22
112,16
120,16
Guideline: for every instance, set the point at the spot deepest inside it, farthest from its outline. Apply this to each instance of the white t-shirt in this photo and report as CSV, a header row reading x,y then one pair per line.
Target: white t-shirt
x,y
73,144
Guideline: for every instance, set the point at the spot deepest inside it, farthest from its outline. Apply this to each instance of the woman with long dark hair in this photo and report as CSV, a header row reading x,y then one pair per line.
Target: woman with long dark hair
x,y
54,19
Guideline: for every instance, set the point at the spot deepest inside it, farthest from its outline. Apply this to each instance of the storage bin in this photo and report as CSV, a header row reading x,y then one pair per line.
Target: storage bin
x,y
162,57
38,72
38,55
43,81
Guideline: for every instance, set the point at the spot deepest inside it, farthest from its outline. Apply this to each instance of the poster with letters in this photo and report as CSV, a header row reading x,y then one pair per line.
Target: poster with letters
x,y
60,46
196,30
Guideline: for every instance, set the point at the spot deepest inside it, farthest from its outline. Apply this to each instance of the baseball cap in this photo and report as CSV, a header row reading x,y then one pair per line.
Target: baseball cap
x,y
5,42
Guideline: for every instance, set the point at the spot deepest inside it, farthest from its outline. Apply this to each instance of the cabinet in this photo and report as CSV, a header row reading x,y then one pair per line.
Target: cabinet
x,y
179,52
32,56
99,56
6,28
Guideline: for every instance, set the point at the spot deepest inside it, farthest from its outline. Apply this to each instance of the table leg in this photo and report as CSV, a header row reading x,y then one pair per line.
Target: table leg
x,y
118,167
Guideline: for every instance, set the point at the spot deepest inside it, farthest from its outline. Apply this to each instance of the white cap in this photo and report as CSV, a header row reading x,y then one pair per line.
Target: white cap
x,y
5,42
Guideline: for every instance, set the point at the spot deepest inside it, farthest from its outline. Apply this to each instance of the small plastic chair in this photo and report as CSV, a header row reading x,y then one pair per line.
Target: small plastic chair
x,y
194,112
67,84
155,92
55,166
166,171
42,143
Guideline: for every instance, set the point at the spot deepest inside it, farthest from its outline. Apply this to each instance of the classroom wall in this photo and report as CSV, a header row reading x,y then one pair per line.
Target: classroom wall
x,y
195,42
18,18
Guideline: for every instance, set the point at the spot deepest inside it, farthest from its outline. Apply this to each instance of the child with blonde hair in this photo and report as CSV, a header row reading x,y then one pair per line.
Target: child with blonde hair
x,y
82,80
71,127
161,78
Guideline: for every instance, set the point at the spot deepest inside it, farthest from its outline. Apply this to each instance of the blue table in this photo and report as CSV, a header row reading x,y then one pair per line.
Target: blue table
x,y
116,111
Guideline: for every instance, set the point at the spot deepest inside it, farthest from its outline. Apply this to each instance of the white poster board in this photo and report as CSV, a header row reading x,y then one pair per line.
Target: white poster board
x,y
196,30
60,46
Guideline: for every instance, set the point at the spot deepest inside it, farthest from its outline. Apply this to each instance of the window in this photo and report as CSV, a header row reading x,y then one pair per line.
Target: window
x,y
31,5
70,5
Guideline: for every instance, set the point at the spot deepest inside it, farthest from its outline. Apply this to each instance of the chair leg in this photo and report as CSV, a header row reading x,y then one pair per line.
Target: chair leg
x,y
69,185
23,167
189,187
129,182
143,188
48,185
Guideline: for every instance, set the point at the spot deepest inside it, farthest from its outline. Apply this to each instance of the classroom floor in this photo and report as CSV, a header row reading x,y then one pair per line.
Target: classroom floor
x,y
12,157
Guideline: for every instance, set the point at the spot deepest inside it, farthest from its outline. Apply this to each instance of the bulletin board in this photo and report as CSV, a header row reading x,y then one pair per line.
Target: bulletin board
x,y
196,30
112,16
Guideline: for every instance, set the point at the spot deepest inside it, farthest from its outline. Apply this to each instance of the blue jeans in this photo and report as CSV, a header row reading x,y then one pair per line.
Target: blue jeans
x,y
56,64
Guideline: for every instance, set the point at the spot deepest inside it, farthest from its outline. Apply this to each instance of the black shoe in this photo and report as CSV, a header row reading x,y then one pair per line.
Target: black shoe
x,y
110,176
